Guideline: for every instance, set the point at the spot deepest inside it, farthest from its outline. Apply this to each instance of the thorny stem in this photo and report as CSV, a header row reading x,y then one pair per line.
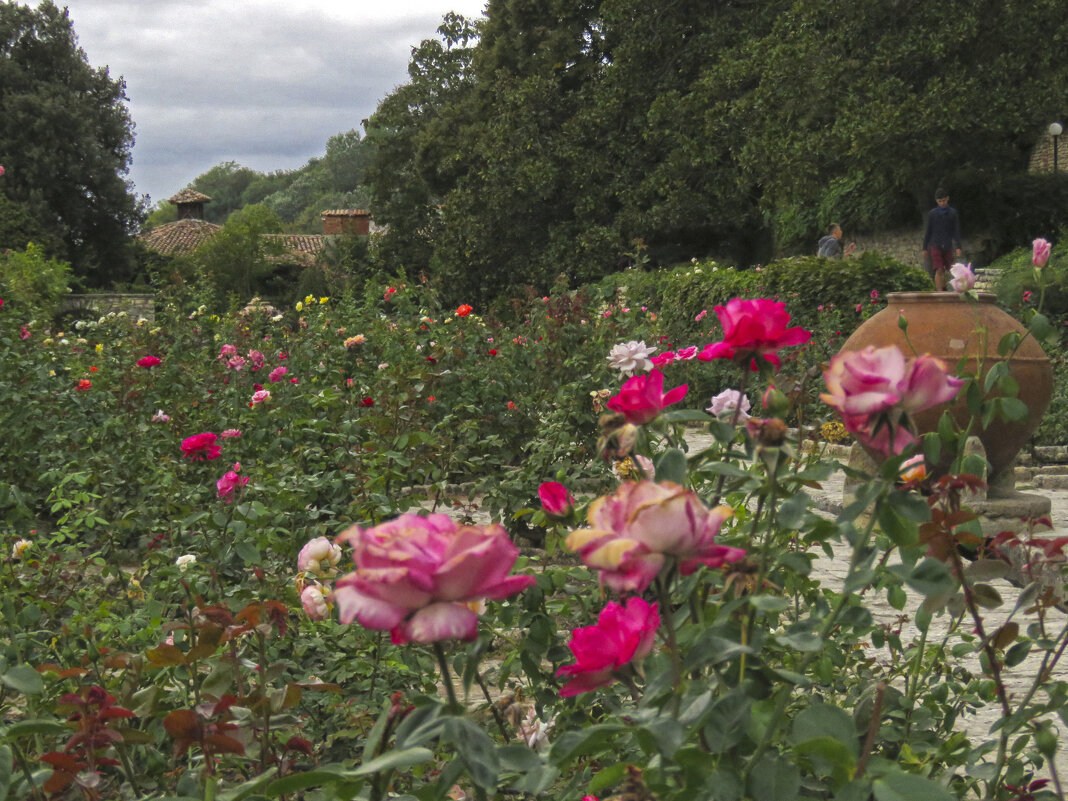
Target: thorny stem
x,y
995,669
493,707
443,665
829,623
667,615
873,730
734,422
20,758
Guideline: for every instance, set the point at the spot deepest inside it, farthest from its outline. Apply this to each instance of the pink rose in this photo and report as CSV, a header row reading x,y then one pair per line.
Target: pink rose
x,y
875,390
225,352
230,482
634,530
642,397
963,277
623,635
24,332
257,359
277,374
260,396
201,446
314,602
754,330
724,404
319,556
230,433
148,361
556,500
1040,250
416,576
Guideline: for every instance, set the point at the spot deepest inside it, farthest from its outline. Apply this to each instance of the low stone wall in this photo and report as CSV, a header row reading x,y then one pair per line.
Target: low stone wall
x,y
98,304
904,244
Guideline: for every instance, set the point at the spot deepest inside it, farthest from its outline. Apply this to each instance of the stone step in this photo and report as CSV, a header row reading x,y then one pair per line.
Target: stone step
x,y
1050,482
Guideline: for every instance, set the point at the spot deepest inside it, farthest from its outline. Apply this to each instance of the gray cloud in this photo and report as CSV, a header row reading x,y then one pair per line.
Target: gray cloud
x,y
264,83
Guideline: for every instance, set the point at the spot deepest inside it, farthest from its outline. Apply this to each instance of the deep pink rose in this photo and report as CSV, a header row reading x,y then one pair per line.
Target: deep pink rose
x,y
1040,250
633,532
754,330
622,635
230,482
226,352
875,390
24,332
201,446
417,576
277,374
642,397
556,500
148,361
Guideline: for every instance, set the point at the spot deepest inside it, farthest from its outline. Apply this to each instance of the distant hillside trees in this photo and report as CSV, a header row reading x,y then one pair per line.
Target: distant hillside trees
x,y
335,180
65,142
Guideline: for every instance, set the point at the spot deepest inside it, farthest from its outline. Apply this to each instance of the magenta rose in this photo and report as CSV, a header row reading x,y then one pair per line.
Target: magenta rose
x,y
1040,250
634,531
277,374
556,500
418,577
230,482
148,361
623,635
201,446
754,330
642,397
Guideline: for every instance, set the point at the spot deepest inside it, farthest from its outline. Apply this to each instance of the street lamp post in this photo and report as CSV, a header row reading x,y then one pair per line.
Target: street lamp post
x,y
1055,130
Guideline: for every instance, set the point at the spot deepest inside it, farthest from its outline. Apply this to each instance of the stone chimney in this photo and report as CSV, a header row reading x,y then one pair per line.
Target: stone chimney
x,y
346,221
190,204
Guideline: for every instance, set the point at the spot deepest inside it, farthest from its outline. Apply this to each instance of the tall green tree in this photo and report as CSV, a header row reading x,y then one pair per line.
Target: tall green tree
x,y
239,260
65,140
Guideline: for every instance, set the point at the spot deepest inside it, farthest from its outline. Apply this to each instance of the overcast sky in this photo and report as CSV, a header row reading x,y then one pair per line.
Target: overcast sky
x,y
264,83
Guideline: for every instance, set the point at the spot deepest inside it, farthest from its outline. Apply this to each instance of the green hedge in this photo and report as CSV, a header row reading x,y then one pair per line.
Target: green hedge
x,y
804,283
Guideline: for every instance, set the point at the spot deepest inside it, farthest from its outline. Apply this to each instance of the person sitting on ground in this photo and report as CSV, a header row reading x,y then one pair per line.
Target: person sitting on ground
x,y
941,239
830,246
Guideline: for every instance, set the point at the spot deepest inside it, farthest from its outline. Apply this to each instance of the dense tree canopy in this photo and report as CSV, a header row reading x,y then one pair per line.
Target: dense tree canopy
x,y
549,136
65,140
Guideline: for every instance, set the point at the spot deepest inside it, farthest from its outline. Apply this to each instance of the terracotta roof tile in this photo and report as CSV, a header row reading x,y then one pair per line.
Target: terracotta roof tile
x,y
181,237
345,213
302,243
189,196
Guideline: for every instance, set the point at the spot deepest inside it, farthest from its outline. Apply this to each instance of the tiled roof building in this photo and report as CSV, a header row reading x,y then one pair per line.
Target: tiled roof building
x,y
191,230
180,237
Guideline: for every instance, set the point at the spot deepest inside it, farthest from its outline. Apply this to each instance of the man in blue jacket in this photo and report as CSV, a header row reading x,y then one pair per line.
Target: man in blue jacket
x,y
941,240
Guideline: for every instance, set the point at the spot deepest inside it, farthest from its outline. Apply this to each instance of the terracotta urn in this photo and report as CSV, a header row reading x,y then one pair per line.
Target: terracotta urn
x,y
948,326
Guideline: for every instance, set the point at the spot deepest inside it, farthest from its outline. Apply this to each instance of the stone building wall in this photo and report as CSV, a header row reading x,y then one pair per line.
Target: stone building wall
x,y
1042,155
